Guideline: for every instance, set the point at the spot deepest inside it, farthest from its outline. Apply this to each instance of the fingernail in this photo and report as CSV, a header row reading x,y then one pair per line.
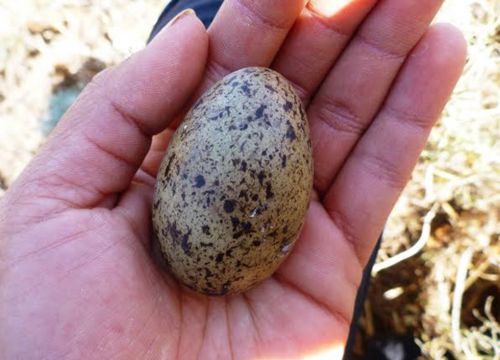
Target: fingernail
x,y
187,12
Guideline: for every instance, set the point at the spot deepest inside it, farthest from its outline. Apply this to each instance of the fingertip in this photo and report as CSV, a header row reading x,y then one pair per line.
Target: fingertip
x,y
450,32
451,43
186,29
195,34
186,18
457,38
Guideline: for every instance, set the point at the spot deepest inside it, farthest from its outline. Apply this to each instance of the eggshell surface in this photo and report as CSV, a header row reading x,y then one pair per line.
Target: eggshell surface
x,y
235,184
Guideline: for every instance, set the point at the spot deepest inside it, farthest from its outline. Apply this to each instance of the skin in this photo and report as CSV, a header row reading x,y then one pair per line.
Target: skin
x,y
77,280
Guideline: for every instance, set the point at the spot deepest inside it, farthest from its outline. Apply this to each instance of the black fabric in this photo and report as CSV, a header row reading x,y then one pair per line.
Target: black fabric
x,y
206,10
360,299
390,347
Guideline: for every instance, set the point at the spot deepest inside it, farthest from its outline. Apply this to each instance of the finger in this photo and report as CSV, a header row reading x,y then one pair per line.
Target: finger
x,y
248,33
355,88
102,140
317,38
370,182
134,206
156,152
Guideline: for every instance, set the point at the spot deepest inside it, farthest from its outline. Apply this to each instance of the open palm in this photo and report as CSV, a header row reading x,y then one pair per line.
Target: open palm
x,y
77,276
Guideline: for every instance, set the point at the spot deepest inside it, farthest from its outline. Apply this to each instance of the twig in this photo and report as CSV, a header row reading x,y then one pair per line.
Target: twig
x,y
477,273
493,322
458,293
485,338
429,184
415,248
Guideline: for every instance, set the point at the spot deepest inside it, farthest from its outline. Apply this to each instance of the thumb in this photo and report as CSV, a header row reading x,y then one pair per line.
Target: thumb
x,y
103,138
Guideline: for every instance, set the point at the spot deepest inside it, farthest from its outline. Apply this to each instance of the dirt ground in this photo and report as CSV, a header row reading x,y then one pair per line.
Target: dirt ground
x,y
437,277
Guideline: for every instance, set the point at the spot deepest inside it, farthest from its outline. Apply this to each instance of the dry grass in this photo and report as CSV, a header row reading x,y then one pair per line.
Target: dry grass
x,y
446,292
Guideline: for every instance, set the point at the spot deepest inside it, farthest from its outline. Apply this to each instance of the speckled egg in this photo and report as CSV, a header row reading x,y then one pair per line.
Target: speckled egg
x,y
235,184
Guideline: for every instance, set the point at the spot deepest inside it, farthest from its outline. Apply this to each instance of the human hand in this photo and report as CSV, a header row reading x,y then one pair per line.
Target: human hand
x,y
77,279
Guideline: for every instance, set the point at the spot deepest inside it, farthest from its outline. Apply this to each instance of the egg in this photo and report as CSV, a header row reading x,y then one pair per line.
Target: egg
x,y
235,183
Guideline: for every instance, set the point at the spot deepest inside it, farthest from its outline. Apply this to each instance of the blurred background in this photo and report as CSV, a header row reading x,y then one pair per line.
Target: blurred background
x,y
437,278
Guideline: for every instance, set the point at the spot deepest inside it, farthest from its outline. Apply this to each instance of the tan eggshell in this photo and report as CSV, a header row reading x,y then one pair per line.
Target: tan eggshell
x,y
234,186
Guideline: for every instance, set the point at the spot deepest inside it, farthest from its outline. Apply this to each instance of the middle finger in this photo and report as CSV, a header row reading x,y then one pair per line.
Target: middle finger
x,y
248,33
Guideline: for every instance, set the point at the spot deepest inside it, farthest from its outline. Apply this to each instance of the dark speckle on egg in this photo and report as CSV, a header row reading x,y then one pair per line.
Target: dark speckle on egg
x,y
229,206
235,184
199,181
